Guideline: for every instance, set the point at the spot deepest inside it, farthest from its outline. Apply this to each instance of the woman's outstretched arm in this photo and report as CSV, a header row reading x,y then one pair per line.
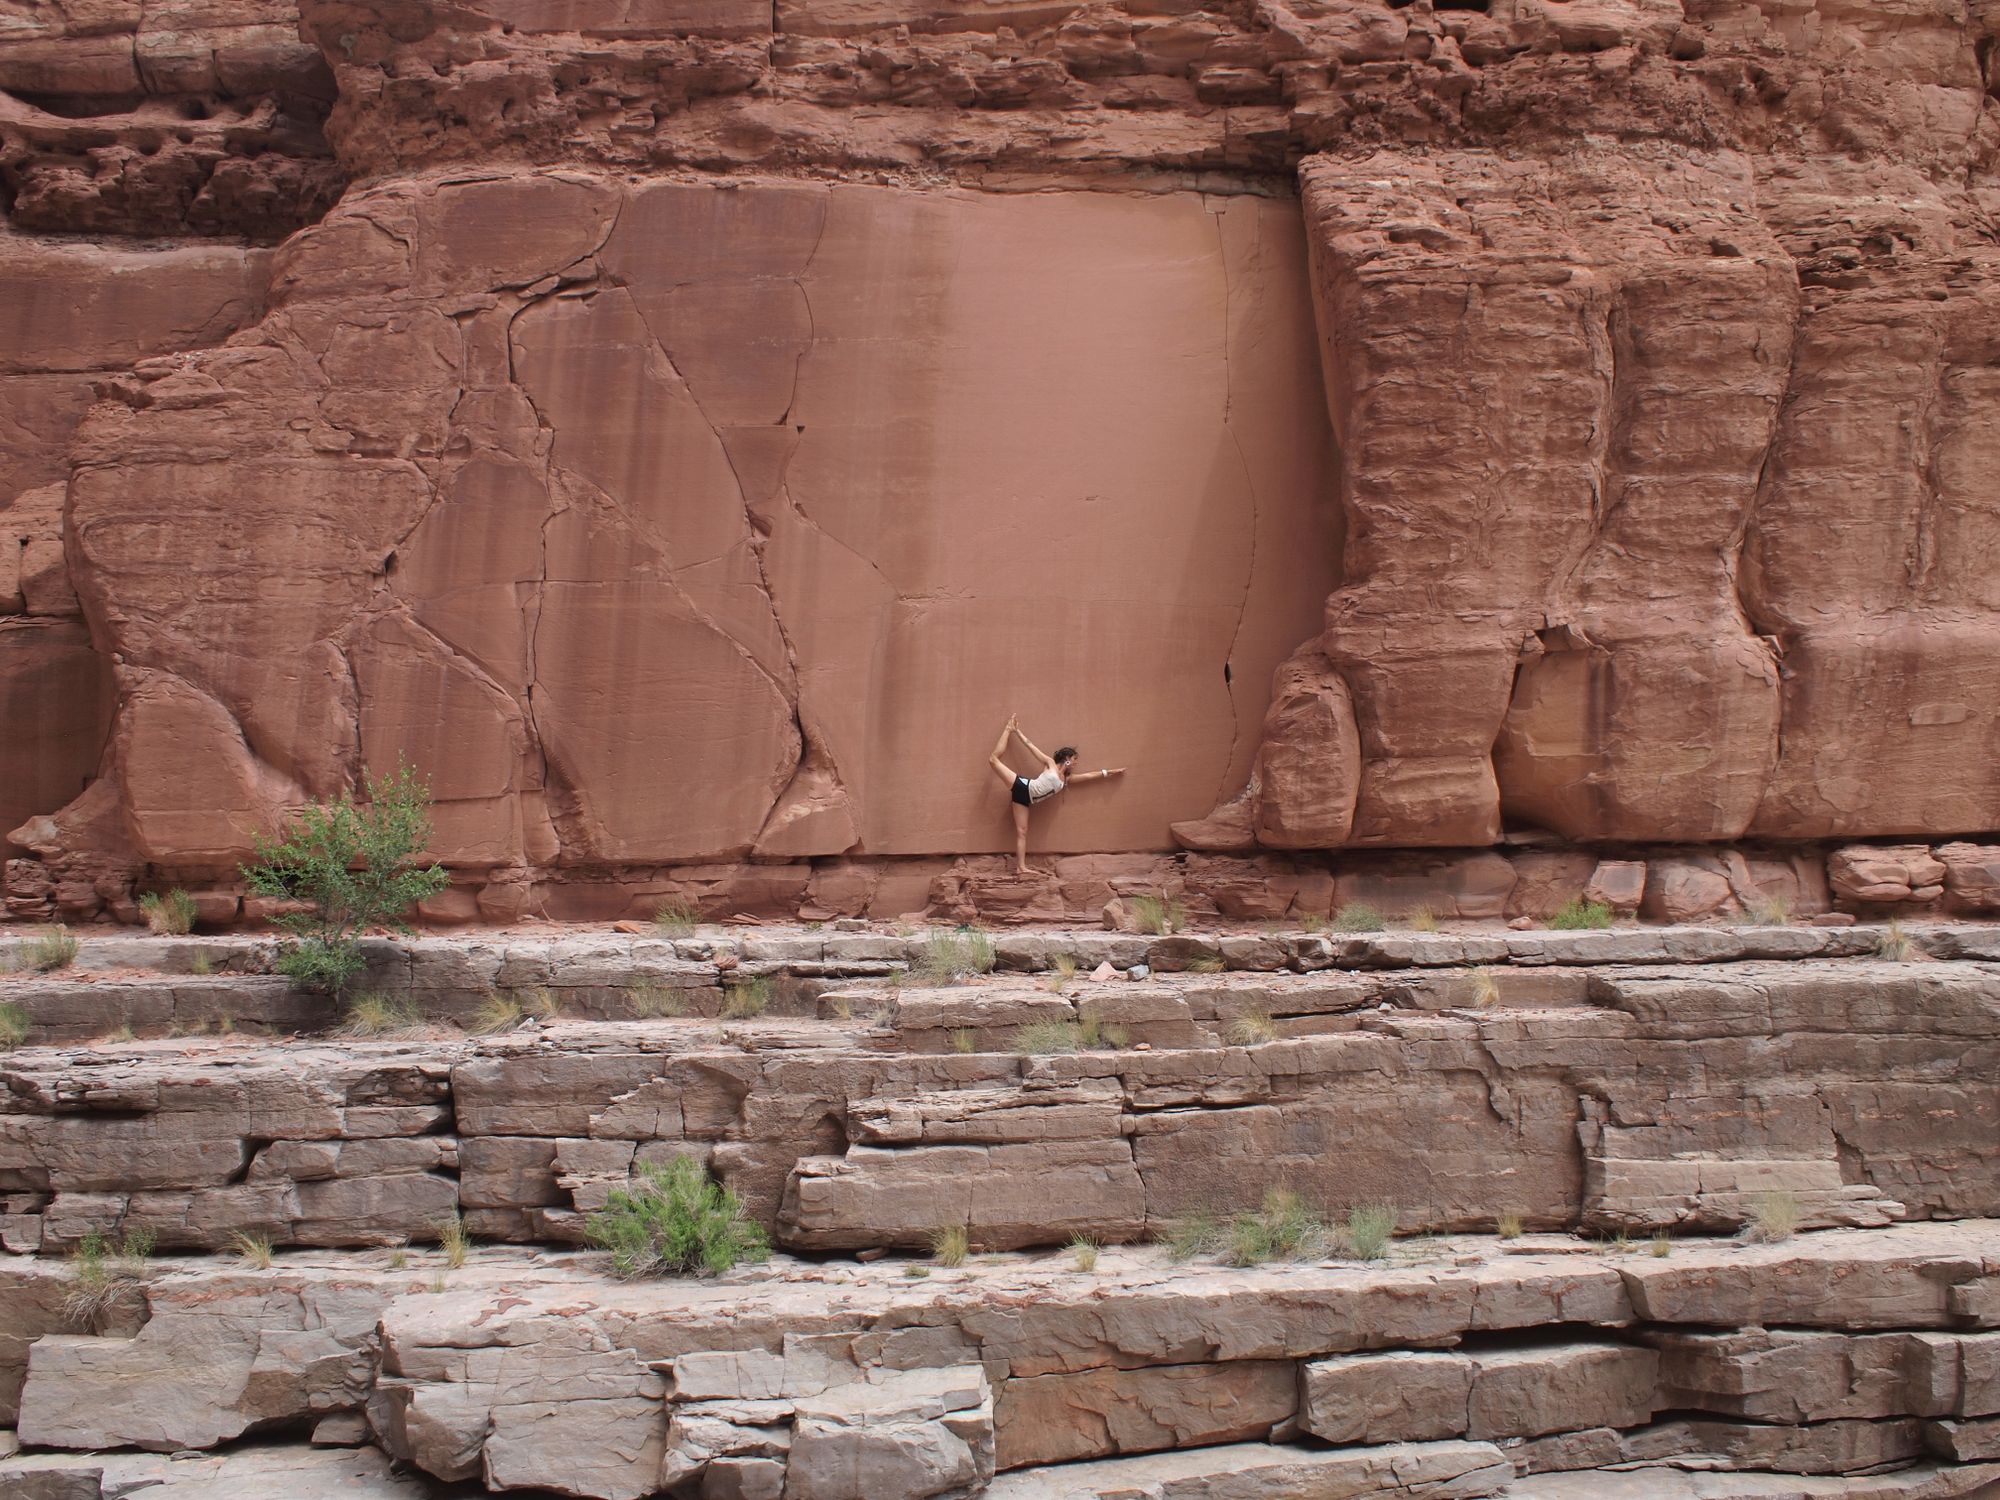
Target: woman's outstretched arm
x,y
1033,749
1104,775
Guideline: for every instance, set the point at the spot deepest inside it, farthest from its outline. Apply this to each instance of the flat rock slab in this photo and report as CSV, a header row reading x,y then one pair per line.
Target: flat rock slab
x,y
291,1470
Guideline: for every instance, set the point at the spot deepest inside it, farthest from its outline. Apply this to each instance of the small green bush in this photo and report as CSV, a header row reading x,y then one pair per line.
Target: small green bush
x,y
352,866
1358,916
1043,1038
52,948
13,1025
1577,914
1282,1229
497,1012
965,1039
652,1002
171,915
1159,915
674,1220
953,957
254,1249
1370,1227
1083,1249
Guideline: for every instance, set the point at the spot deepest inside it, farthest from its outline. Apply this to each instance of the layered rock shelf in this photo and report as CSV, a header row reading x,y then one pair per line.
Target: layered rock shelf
x,y
1580,1134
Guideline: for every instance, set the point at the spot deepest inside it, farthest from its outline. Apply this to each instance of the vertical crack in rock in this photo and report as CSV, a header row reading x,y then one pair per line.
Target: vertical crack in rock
x,y
1929,435
1249,484
756,536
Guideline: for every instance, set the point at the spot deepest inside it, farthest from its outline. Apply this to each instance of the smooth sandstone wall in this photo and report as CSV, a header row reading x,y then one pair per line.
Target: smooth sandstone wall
x,y
678,521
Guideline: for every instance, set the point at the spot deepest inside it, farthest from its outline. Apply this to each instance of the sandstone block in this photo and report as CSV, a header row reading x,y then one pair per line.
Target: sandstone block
x,y
1095,1414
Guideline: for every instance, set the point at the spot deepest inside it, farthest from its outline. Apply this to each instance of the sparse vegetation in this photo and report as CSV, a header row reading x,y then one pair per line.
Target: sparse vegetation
x,y
1192,1234
351,866
13,1025
201,964
677,918
953,957
440,1280
1508,1225
542,1004
373,1014
950,1244
253,1249
1663,1243
1422,919
651,1002
497,1012
1251,1026
1083,1250
1577,913
452,1239
1370,1227
674,1220
1312,921
1158,915
1207,963
1358,916
121,1033
1485,988
1042,1038
1895,943
1772,911
1282,1228
168,915
1774,1217
106,1274
964,1040
746,998
399,1259
51,948
1064,967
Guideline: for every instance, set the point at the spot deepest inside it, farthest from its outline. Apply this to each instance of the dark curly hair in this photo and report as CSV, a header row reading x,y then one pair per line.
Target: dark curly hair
x,y
1066,754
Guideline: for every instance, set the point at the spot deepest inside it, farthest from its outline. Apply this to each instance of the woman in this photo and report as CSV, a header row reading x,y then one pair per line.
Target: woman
x,y
1056,774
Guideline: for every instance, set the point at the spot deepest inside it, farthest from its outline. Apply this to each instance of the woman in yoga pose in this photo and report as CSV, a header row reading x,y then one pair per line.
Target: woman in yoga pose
x,y
1057,772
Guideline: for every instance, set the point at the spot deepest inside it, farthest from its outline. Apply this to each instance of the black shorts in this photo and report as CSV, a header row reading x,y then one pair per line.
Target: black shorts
x,y
1021,796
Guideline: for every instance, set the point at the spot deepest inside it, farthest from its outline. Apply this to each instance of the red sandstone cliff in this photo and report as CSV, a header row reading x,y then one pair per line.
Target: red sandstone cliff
x,y
695,426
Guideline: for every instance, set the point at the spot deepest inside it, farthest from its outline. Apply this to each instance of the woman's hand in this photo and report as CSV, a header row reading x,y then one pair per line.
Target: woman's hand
x,y
1111,771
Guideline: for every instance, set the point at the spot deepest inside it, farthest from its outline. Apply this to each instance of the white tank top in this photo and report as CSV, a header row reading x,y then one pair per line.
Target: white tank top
x,y
1045,785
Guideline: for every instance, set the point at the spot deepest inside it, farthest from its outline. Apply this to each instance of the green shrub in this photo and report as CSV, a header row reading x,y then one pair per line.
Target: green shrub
x,y
1042,1038
52,948
171,915
1370,1227
352,865
1083,1249
1159,915
106,1275
673,1220
1576,914
1282,1229
951,957
677,919
13,1025
1358,916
